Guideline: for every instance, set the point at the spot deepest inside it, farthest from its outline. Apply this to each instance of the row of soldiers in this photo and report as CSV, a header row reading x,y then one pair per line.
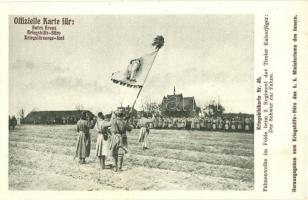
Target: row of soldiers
x,y
201,123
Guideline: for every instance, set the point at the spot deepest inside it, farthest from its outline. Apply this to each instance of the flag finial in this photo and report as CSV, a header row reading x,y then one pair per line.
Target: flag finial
x,y
158,42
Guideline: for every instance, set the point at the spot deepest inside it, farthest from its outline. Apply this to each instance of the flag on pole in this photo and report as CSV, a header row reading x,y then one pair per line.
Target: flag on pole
x,y
138,69
136,72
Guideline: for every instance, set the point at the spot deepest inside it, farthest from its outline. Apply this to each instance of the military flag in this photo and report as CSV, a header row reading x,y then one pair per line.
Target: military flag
x,y
138,69
136,72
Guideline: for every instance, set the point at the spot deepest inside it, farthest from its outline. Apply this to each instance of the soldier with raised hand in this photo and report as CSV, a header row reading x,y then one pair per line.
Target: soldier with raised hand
x,y
118,143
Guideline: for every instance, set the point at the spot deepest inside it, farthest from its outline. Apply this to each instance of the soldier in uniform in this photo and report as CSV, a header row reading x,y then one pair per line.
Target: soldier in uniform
x,y
91,123
170,123
118,143
233,125
165,123
209,123
184,123
160,122
202,123
239,124
103,139
197,123
144,131
214,124
192,126
206,121
155,122
179,123
83,129
220,123
247,124
227,124
151,124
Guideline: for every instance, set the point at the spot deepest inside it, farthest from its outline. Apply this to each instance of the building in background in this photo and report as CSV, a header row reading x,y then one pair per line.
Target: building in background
x,y
177,105
55,117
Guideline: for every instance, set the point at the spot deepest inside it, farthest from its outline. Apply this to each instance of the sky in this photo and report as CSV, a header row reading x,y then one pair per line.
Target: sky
x,y
209,57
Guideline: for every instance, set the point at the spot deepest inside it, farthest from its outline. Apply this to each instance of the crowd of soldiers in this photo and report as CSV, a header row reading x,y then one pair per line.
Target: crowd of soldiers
x,y
239,124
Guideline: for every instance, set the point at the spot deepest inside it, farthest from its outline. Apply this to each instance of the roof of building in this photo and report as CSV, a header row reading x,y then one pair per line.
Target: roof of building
x,y
175,95
50,115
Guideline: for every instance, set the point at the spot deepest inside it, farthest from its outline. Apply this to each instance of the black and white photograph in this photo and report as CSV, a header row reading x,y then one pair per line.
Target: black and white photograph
x,y
131,102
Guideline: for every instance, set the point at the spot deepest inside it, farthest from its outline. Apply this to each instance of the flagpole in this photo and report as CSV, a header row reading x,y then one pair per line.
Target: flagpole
x,y
144,82
158,43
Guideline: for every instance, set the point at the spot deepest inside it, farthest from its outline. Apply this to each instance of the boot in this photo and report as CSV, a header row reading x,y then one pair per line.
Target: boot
x,y
115,164
103,162
120,161
82,161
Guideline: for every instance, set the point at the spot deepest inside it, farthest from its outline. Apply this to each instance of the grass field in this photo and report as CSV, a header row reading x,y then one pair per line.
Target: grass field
x,y
41,157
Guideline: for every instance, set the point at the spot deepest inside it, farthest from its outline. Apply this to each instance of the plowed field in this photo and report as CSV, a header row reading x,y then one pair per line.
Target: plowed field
x,y
41,157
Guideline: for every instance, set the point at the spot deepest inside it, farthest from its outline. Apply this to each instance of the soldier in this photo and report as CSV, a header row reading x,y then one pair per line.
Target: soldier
x,y
197,123
239,124
220,123
227,124
192,126
160,122
209,123
251,124
165,123
155,122
118,144
170,123
83,130
214,124
206,121
178,123
247,124
202,124
144,131
184,123
151,124
91,123
103,139
13,122
233,125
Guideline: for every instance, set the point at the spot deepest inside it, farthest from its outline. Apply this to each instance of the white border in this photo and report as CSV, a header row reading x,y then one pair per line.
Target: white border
x,y
258,8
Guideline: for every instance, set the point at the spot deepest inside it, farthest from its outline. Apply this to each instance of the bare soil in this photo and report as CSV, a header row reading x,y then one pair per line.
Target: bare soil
x,y
41,157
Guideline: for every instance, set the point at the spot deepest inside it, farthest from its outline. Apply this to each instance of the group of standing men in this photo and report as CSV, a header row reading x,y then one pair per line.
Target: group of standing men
x,y
111,139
